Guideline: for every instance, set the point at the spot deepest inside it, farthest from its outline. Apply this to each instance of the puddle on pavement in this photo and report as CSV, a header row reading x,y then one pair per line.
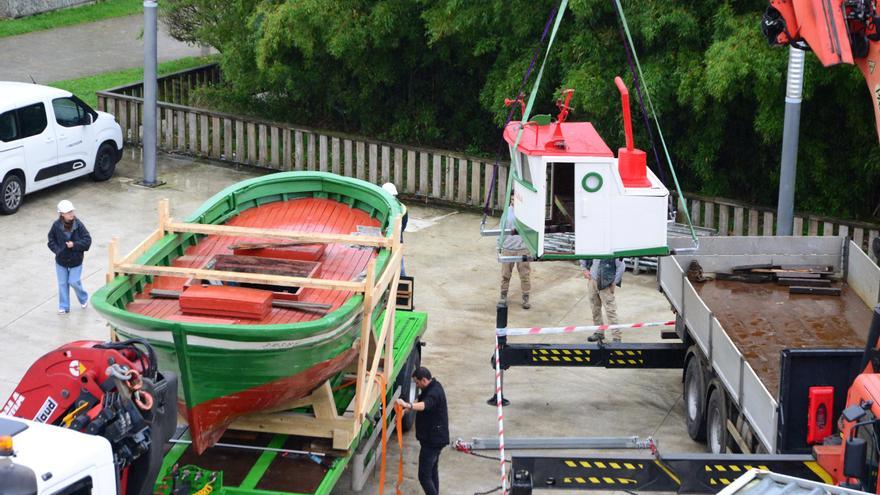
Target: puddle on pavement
x,y
764,319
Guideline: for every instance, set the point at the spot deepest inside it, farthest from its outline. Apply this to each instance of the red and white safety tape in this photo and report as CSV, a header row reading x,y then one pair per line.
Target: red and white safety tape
x,y
509,332
498,399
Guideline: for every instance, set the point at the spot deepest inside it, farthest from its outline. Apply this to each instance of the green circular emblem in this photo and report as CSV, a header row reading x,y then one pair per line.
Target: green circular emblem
x,y
592,182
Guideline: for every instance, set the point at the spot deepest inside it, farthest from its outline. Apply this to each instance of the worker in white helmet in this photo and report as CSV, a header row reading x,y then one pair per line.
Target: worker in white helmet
x,y
69,240
392,190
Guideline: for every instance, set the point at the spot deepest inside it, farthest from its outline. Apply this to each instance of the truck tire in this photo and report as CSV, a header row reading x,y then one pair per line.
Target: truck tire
x,y
408,390
11,194
694,400
716,422
105,163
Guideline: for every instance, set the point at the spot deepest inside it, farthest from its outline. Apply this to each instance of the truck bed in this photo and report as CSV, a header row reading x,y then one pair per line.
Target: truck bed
x,y
741,328
763,319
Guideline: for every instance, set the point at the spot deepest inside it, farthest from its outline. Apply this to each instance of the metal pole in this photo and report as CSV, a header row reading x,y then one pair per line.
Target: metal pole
x,y
500,322
791,129
150,90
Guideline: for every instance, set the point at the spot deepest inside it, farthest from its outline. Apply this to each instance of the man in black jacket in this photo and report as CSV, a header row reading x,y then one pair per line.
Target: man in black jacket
x,y
432,428
69,240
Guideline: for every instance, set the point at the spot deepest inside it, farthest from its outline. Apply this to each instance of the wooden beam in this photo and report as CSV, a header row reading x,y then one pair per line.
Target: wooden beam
x,y
341,430
387,331
254,278
366,330
819,291
112,250
164,213
313,237
144,246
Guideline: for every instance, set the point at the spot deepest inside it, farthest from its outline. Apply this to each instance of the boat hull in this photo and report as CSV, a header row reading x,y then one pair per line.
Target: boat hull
x,y
231,370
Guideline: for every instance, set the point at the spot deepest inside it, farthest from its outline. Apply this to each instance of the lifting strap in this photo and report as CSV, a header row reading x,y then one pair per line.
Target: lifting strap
x,y
527,112
519,92
398,413
656,122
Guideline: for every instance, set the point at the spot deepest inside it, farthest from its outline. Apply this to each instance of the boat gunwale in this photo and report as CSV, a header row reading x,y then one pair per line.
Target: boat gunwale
x,y
232,198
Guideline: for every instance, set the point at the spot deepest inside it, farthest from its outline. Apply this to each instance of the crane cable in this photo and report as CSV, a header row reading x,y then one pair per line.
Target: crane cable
x,y
519,93
656,122
525,116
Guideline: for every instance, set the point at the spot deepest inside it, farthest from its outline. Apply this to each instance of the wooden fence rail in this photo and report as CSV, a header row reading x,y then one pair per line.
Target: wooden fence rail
x,y
427,173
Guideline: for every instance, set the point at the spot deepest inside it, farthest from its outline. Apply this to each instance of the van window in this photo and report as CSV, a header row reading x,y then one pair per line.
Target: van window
x,y
8,127
32,120
68,113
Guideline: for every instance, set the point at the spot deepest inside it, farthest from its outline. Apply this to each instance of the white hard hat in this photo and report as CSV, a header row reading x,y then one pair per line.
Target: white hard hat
x,y
390,188
65,206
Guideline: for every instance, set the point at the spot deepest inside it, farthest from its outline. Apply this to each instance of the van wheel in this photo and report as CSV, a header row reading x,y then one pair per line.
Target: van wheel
x,y
694,402
716,422
105,163
408,390
11,194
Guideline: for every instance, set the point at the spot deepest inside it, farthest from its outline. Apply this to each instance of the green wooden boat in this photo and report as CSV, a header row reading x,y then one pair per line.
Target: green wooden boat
x,y
232,363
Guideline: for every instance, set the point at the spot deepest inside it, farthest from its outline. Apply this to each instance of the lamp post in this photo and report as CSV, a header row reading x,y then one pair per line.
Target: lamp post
x,y
791,128
150,89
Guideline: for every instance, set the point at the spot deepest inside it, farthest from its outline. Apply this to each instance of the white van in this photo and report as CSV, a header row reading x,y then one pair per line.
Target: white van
x,y
48,136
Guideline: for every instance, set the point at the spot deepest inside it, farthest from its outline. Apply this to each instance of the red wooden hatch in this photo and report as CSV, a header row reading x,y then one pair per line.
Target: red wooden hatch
x,y
224,300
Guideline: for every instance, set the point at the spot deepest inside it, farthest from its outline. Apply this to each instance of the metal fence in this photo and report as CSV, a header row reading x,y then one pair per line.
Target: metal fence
x,y
428,173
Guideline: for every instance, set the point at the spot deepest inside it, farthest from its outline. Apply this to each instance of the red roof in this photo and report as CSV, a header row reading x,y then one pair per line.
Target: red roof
x,y
572,139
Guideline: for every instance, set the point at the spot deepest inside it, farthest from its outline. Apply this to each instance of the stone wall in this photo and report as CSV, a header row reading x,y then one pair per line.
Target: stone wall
x,y
20,8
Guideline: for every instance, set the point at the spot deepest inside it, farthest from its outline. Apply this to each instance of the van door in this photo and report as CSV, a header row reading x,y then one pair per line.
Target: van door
x,y
40,148
74,137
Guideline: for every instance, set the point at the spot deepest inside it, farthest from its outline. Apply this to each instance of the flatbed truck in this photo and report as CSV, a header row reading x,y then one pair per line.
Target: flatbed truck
x,y
754,351
771,380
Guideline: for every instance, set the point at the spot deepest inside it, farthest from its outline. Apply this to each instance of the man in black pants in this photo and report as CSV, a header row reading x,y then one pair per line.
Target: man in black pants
x,y
432,428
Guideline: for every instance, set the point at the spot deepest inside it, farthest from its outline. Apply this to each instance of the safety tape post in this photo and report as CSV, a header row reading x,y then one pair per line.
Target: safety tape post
x,y
499,399
509,332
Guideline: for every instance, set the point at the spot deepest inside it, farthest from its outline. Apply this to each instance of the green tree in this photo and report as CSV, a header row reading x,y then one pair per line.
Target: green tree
x,y
436,72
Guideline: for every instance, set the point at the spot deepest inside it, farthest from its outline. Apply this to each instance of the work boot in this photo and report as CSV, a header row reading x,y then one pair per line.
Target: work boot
x,y
525,303
596,337
503,301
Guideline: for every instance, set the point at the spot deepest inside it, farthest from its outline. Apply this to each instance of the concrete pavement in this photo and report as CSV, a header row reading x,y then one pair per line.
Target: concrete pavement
x,y
83,50
456,283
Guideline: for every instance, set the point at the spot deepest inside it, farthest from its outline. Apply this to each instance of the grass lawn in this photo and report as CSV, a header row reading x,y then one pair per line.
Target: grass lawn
x,y
85,87
104,9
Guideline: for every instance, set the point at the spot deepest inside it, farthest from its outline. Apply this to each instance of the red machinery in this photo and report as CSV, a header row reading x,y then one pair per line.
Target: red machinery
x,y
837,31
111,389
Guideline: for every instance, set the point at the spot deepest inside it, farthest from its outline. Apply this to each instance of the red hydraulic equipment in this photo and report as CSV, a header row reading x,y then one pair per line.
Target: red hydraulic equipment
x,y
109,389
632,162
837,31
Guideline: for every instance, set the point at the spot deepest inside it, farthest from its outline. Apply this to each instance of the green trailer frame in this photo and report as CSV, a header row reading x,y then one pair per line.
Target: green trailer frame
x,y
409,327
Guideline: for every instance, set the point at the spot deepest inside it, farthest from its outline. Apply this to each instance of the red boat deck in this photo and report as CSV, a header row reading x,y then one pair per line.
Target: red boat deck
x,y
339,262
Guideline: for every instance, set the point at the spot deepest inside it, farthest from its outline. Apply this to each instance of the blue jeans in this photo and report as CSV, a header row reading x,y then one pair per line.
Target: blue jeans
x,y
69,277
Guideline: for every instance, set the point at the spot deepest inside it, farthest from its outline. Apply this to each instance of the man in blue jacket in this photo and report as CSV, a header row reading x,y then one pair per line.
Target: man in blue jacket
x,y
432,428
69,240
603,276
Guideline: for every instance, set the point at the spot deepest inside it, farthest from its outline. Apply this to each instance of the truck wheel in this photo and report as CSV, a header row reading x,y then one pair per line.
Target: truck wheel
x,y
694,402
105,163
716,413
408,390
11,194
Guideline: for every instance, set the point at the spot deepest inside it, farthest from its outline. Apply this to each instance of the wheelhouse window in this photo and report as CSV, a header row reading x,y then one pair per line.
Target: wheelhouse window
x,y
32,120
524,167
